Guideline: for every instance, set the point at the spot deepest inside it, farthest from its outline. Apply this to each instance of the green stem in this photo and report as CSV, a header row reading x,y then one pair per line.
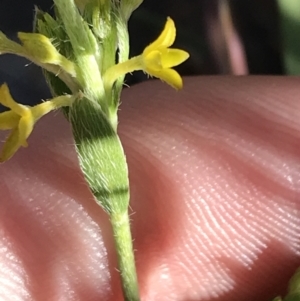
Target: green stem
x,y
114,72
123,241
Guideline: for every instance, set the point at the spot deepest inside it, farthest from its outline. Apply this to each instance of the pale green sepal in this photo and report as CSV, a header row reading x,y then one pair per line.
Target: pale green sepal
x,y
77,29
128,6
53,29
123,55
101,15
101,156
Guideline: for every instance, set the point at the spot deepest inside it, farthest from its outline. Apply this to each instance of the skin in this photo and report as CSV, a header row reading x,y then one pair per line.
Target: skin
x,y
215,173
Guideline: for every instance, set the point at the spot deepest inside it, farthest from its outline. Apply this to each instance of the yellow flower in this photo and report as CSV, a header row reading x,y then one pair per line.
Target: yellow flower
x,y
20,119
157,60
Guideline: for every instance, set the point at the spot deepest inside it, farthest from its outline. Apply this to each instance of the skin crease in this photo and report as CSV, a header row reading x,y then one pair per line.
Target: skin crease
x,y
215,174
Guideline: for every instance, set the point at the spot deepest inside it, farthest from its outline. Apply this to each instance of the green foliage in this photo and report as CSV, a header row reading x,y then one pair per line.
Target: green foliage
x,y
293,289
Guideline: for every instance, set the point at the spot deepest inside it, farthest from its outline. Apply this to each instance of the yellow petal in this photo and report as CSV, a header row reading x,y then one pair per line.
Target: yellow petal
x,y
153,60
166,38
11,146
17,137
173,57
8,120
9,46
7,100
169,76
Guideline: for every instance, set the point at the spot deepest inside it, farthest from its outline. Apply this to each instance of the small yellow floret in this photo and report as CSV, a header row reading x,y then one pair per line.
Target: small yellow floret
x,y
157,60
20,119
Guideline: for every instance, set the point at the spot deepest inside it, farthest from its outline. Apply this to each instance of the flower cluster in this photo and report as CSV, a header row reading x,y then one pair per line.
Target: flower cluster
x,y
88,70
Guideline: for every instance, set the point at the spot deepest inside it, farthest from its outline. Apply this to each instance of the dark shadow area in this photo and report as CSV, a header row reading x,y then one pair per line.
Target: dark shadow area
x,y
258,25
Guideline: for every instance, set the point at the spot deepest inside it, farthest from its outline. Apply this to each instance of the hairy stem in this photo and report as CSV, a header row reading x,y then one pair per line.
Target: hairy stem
x,y
123,241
